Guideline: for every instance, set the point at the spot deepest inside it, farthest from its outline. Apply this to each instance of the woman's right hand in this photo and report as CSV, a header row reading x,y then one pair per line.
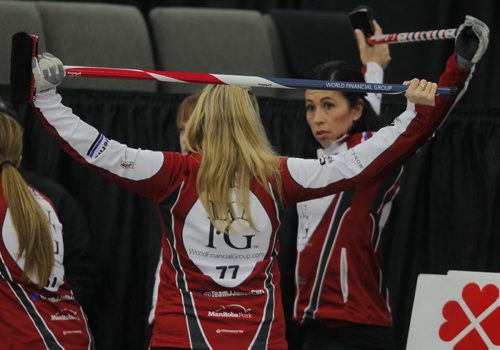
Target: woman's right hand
x,y
421,92
48,72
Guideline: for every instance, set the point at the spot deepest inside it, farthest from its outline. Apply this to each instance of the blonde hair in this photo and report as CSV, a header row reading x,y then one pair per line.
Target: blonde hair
x,y
225,128
30,221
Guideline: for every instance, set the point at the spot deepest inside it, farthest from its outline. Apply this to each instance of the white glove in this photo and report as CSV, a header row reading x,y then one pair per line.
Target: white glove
x,y
48,71
471,41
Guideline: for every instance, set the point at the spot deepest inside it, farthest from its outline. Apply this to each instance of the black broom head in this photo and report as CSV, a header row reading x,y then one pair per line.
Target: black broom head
x,y
24,48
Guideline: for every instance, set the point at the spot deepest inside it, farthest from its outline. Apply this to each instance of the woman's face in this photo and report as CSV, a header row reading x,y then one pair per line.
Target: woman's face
x,y
329,115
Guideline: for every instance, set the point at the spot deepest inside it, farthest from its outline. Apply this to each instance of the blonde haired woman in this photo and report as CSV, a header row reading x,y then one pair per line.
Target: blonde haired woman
x,y
219,283
37,308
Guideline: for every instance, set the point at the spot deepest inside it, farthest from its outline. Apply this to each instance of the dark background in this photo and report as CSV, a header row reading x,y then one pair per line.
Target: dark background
x,y
445,217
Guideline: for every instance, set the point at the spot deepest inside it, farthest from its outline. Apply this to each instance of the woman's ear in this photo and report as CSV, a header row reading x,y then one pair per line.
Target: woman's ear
x,y
357,110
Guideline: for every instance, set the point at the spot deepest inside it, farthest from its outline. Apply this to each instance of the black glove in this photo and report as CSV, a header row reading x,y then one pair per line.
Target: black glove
x,y
471,41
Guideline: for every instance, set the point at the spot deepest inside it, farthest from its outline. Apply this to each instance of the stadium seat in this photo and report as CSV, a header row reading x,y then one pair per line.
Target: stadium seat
x,y
100,35
222,41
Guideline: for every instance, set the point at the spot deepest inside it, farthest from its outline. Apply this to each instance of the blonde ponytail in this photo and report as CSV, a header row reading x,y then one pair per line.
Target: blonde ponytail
x,y
30,221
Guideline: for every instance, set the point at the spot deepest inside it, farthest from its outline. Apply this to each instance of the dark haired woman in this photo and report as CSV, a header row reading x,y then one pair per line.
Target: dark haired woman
x,y
341,298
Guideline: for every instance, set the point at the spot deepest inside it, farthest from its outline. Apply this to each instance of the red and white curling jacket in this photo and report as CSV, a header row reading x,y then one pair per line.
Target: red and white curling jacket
x,y
32,318
218,289
338,275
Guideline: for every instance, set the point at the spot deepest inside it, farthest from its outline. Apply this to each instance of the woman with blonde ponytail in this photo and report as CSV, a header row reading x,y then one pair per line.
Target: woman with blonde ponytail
x,y
33,295
218,204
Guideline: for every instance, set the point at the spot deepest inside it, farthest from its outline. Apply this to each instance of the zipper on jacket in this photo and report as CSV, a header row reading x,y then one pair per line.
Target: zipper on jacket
x,y
343,274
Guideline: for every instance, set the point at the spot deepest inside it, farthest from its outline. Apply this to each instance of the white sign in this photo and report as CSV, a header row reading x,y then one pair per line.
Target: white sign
x,y
459,311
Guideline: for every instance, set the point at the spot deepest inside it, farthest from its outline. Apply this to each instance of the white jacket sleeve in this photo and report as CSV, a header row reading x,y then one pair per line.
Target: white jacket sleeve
x,y
374,74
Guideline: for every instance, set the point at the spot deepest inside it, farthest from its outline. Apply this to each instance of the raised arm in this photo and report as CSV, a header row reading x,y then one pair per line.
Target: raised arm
x,y
375,58
148,173
390,146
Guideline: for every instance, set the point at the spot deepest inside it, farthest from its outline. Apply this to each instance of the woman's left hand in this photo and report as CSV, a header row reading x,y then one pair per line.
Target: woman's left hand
x,y
378,53
421,92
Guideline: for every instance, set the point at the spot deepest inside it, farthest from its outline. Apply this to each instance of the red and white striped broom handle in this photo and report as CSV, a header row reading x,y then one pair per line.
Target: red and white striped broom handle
x,y
410,37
